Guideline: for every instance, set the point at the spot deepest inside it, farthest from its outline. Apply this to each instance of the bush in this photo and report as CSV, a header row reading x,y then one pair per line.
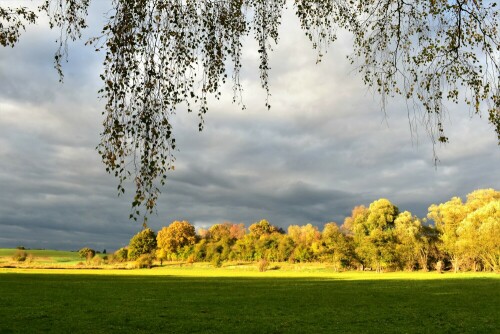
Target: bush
x,y
144,261
263,265
86,253
191,259
111,258
97,261
121,255
20,256
30,258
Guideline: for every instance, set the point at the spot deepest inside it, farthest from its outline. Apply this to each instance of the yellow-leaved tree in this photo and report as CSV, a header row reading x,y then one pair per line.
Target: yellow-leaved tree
x,y
172,239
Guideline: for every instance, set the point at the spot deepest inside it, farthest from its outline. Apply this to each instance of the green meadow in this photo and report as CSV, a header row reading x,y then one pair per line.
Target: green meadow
x,y
41,257
240,299
52,254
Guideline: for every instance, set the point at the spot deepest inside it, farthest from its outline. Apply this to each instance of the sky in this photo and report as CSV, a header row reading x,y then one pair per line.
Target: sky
x,y
324,147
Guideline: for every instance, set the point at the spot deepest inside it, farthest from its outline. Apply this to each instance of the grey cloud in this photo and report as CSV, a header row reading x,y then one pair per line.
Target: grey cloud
x,y
324,147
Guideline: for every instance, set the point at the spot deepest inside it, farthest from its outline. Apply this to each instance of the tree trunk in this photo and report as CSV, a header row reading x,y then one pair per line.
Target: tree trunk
x,y
424,257
455,263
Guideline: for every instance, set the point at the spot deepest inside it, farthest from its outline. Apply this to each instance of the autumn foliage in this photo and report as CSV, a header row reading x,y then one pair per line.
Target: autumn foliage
x,y
455,235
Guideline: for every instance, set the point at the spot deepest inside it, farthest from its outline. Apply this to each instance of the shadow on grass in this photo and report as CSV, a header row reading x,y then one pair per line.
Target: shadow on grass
x,y
175,304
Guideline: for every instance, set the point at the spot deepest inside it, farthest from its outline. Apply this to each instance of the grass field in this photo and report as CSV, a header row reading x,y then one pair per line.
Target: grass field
x,y
199,299
6,252
43,257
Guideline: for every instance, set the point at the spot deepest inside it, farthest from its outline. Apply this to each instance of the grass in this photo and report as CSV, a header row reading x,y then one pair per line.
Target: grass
x,y
6,252
42,257
200,299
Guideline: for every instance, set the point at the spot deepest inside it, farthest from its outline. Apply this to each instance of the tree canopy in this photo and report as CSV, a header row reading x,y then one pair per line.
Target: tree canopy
x,y
465,236
177,235
164,55
144,242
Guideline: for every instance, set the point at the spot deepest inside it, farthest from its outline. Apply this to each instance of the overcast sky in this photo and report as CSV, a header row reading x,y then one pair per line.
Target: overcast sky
x,y
324,147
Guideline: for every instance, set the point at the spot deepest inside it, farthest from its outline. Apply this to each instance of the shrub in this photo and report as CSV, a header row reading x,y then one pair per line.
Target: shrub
x,y
97,261
121,255
20,256
30,258
191,259
86,253
111,258
20,247
144,261
263,265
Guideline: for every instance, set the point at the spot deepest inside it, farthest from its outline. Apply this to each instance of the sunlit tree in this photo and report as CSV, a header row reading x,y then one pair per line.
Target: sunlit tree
x,y
459,225
427,244
489,235
407,229
261,228
142,243
374,235
86,253
173,238
479,232
338,248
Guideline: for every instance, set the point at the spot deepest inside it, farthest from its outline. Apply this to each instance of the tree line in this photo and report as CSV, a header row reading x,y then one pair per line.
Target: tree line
x,y
455,235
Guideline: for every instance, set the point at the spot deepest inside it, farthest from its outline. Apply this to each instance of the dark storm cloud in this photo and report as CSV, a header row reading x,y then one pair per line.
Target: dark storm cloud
x,y
324,147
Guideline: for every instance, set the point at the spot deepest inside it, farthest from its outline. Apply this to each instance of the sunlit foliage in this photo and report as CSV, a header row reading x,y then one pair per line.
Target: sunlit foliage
x,y
143,242
466,236
172,239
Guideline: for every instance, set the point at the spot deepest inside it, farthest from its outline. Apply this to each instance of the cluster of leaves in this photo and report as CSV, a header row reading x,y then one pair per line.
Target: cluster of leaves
x,y
379,237
12,22
164,55
70,18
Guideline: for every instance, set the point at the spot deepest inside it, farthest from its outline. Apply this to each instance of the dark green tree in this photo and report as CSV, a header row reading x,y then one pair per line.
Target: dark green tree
x,y
143,242
86,253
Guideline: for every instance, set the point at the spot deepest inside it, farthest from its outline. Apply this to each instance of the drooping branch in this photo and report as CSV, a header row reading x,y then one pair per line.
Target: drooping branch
x,y
161,56
69,16
432,52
